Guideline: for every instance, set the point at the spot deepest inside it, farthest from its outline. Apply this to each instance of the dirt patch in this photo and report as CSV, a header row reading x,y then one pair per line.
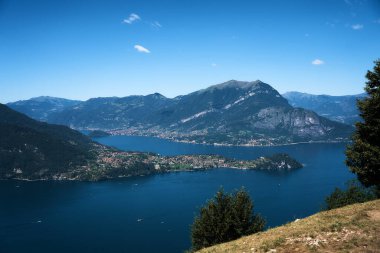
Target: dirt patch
x,y
374,215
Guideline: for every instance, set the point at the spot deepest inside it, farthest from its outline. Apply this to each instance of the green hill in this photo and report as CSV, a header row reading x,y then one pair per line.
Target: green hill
x,y
36,150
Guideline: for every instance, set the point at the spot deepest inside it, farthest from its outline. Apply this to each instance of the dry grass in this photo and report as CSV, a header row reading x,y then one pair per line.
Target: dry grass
x,y
354,228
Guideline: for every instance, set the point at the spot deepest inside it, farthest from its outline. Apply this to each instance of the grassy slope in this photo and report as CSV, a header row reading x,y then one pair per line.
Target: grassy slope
x,y
354,228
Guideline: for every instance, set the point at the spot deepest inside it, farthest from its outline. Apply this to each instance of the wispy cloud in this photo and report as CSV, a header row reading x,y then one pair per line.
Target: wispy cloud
x,y
357,26
353,3
133,17
317,62
141,49
156,24
213,65
348,2
331,24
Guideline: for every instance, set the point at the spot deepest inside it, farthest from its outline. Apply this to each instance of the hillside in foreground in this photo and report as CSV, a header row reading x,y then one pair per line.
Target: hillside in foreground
x,y
354,228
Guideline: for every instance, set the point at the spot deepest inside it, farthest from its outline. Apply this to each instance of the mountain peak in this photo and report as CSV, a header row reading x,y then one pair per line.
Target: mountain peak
x,y
156,95
50,99
44,99
242,85
40,107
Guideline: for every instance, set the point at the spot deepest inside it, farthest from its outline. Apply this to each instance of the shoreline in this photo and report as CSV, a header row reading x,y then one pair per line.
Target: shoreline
x,y
114,178
231,145
142,175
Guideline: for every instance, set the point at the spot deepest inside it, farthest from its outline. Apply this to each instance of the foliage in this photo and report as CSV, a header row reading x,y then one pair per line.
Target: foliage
x,y
280,161
35,150
225,218
98,134
37,154
363,156
354,193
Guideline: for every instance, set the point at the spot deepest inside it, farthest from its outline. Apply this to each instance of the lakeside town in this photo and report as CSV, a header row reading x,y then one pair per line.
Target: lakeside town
x,y
111,163
200,137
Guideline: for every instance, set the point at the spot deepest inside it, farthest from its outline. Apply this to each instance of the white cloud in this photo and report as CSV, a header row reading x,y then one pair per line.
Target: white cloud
x,y
357,26
131,19
213,65
317,62
141,49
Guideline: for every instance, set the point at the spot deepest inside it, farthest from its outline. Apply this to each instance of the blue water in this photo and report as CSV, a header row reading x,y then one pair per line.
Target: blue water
x,y
154,213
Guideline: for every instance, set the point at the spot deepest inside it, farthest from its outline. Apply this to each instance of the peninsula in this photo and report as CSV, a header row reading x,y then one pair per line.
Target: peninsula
x,y
32,150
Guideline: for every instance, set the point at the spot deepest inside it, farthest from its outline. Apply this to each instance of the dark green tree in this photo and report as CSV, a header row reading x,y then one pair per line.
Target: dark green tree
x,y
354,193
363,155
225,218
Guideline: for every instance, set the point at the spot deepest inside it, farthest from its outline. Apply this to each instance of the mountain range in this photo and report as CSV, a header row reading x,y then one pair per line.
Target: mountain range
x,y
231,113
40,108
339,108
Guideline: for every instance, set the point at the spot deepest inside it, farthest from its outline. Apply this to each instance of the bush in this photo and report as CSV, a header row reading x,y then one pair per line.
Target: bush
x,y
354,193
225,218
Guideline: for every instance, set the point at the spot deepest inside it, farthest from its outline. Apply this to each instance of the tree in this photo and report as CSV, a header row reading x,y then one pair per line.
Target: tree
x,y
355,193
363,155
225,218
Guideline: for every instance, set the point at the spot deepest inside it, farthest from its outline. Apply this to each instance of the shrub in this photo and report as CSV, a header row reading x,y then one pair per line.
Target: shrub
x,y
354,193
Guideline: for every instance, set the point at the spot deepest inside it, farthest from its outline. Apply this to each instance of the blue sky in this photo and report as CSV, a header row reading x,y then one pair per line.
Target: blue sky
x,y
81,49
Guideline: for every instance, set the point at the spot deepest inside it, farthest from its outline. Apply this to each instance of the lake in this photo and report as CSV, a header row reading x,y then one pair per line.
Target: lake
x,y
154,213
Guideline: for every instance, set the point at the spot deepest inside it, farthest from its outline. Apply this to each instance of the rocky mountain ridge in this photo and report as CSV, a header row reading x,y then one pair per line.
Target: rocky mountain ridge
x,y
231,113
338,108
40,108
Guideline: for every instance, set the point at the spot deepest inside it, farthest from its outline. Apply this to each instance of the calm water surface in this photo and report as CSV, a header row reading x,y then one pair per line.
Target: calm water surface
x,y
154,213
